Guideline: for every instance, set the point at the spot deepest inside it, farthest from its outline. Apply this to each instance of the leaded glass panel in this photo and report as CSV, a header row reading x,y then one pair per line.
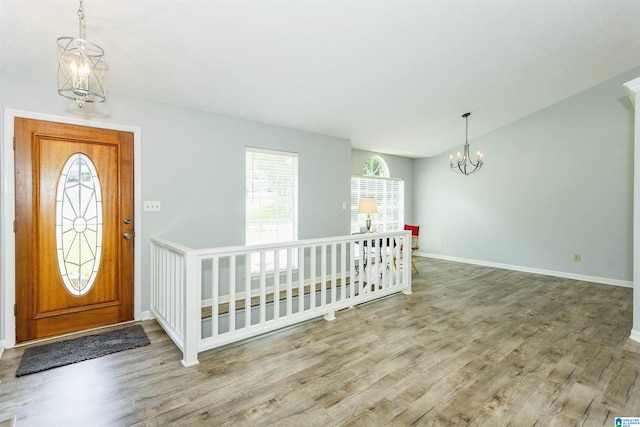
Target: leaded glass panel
x,y
78,224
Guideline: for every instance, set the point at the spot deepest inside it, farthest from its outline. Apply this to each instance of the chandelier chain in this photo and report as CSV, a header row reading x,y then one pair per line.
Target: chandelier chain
x,y
80,18
466,132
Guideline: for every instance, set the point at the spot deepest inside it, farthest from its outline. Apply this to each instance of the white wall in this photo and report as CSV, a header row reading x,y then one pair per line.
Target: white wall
x,y
193,162
555,183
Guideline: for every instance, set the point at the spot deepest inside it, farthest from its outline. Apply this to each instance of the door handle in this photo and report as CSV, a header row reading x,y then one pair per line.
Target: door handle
x,y
126,236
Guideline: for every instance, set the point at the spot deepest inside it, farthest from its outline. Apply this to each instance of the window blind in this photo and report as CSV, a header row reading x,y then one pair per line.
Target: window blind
x,y
389,196
271,196
271,200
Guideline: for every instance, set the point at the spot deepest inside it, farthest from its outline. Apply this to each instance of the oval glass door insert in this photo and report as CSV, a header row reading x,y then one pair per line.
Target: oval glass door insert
x,y
78,224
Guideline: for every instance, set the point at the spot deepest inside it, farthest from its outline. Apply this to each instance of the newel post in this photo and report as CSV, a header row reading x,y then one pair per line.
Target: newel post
x,y
406,263
191,310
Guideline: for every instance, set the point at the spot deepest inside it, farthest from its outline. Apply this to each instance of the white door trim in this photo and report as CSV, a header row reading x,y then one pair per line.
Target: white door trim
x,y
7,205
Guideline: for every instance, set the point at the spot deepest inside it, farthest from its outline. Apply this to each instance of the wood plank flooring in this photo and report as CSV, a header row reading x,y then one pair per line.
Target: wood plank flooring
x,y
473,346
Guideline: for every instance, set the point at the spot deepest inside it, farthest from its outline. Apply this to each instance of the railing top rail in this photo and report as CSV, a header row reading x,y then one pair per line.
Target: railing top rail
x,y
176,247
276,246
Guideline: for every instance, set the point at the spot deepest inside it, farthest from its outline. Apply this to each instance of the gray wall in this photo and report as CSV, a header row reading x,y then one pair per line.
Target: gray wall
x,y
555,183
193,162
399,167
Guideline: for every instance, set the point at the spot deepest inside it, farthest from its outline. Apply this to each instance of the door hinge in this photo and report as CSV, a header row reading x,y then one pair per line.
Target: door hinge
x,y
14,226
15,309
14,143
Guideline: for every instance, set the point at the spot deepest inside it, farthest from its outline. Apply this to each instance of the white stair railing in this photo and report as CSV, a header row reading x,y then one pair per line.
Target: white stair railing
x,y
206,298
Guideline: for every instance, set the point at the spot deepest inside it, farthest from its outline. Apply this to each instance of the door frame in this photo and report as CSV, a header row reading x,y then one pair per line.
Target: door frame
x,y
7,205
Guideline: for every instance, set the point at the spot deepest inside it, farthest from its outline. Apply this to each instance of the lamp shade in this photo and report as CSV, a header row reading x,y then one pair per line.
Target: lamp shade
x,y
367,205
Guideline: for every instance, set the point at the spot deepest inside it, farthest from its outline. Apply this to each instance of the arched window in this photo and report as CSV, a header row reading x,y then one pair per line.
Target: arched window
x,y
388,192
376,166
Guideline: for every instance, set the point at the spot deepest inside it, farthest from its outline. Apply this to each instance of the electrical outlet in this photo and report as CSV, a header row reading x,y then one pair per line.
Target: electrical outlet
x,y
441,242
576,257
151,206
344,205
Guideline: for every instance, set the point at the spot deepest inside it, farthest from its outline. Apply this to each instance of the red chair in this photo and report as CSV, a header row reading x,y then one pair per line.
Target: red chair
x,y
415,232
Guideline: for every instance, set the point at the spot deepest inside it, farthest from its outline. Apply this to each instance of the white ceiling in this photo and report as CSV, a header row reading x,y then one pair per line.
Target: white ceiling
x,y
391,76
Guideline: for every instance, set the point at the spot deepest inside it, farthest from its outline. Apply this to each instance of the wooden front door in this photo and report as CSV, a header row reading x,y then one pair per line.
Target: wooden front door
x,y
74,228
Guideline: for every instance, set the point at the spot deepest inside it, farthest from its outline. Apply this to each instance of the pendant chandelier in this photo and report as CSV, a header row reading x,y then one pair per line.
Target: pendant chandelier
x,y
80,68
465,165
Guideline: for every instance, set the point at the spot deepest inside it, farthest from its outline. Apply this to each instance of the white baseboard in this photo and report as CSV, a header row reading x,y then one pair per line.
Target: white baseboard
x,y
1,348
635,335
564,275
146,315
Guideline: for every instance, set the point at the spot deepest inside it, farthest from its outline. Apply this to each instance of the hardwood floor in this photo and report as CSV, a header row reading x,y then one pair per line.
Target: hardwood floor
x,y
472,346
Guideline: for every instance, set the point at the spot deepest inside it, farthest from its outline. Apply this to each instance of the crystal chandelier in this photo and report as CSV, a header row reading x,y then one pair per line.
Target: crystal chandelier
x,y
80,68
465,165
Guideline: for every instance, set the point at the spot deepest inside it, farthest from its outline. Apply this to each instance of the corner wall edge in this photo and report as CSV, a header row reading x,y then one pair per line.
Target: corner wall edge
x,y
632,88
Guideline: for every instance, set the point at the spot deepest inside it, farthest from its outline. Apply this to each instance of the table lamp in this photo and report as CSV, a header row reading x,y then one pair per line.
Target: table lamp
x,y
367,205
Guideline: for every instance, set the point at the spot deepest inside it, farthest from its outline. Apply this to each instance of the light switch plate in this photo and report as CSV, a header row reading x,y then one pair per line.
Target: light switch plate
x,y
151,206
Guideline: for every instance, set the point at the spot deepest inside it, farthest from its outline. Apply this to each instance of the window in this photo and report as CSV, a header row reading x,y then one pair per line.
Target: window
x,y
271,200
375,166
388,192
78,224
